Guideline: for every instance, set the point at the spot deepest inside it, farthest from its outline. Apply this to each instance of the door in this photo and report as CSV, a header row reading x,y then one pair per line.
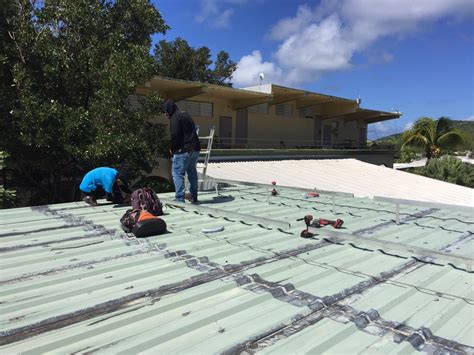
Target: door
x,y
241,127
317,132
225,131
327,136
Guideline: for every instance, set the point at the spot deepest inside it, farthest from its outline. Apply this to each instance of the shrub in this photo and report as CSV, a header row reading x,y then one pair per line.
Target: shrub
x,y
450,169
7,197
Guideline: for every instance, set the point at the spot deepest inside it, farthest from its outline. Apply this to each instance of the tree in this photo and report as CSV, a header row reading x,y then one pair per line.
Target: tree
x,y
433,136
7,196
177,59
69,66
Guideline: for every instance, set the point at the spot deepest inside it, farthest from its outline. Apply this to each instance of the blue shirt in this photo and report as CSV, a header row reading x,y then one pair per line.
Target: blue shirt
x,y
104,177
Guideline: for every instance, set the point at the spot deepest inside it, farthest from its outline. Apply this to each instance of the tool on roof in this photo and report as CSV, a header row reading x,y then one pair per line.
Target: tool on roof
x,y
274,191
307,220
310,222
310,195
212,230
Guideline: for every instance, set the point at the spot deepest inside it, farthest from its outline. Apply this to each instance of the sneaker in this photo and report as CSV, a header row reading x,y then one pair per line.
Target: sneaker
x,y
90,200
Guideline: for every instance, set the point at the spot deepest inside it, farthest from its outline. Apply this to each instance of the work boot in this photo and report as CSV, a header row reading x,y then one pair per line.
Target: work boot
x,y
190,198
90,200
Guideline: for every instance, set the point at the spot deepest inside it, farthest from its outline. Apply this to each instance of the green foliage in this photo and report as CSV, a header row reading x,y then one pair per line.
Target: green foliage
x,y
159,184
433,136
69,66
177,59
466,127
449,169
7,196
407,156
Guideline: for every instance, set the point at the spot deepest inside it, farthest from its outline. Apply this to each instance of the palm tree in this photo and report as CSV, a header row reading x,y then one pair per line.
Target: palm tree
x,y
432,136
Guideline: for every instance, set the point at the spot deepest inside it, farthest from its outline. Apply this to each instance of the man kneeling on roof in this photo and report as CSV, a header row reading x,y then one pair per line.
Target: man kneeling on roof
x,y
105,181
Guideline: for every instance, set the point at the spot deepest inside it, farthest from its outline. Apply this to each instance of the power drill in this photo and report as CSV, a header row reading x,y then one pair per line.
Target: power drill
x,y
308,220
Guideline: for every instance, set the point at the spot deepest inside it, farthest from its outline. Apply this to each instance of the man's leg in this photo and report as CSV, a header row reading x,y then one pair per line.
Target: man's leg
x,y
116,195
192,175
178,170
91,197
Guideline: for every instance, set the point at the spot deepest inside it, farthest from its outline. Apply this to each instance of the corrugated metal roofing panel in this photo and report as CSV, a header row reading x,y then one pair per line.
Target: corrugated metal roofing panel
x,y
72,281
347,175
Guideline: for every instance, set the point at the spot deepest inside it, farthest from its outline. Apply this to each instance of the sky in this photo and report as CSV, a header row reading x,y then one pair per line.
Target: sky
x,y
414,56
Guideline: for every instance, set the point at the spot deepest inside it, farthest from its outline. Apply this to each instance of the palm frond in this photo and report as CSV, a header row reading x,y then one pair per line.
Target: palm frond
x,y
415,140
443,125
425,126
451,139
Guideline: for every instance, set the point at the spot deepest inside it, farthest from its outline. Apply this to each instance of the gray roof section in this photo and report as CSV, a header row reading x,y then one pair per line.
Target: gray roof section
x,y
72,281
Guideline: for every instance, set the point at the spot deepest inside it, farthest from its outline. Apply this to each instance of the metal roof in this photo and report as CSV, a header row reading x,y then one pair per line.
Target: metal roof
x,y
346,175
72,281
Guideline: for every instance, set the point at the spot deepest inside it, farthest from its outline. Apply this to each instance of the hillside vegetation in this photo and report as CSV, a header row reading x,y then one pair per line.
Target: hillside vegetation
x,y
467,127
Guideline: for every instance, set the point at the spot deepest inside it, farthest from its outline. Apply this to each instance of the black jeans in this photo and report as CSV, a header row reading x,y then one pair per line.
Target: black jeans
x,y
115,197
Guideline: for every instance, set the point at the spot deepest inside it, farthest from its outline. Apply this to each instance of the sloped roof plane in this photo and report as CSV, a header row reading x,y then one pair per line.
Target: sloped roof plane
x,y
72,281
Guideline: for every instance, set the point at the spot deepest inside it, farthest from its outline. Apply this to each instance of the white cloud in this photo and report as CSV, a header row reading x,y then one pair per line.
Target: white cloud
x,y
379,127
217,12
470,118
408,126
378,130
251,65
223,20
290,26
326,37
319,47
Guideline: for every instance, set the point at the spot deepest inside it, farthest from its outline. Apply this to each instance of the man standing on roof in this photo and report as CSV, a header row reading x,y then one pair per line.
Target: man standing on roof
x,y
185,148
106,181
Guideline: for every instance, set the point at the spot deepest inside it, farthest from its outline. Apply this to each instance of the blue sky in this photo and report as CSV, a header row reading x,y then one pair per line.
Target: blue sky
x,y
416,56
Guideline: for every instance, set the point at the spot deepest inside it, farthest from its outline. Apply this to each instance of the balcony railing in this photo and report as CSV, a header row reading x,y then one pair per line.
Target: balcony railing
x,y
223,143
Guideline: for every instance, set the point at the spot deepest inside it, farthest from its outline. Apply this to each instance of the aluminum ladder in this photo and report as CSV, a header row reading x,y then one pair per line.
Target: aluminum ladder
x,y
207,155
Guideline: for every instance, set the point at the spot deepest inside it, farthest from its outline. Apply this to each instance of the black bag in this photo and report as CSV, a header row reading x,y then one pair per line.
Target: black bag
x,y
146,199
142,223
149,227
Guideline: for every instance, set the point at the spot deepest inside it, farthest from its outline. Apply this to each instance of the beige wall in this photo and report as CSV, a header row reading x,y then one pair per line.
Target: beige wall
x,y
269,129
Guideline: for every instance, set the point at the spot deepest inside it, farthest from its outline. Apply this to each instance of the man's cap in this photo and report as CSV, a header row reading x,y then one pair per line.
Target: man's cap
x,y
168,107
123,176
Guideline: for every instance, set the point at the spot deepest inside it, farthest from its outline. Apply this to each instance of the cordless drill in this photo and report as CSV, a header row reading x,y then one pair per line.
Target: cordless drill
x,y
308,220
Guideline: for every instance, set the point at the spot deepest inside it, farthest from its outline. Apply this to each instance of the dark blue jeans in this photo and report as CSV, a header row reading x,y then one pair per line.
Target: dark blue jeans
x,y
185,163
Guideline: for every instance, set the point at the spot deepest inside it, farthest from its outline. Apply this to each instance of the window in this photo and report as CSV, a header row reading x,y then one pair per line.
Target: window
x,y
196,108
352,125
305,112
135,101
285,110
261,109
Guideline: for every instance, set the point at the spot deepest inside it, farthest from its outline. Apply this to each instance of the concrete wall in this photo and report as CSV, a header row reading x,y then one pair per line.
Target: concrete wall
x,y
269,130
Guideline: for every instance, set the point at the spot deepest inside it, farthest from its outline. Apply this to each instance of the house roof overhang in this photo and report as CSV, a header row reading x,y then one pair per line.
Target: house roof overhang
x,y
369,116
177,90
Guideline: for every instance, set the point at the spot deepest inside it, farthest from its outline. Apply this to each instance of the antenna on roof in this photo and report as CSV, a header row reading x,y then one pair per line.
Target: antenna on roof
x,y
261,76
359,100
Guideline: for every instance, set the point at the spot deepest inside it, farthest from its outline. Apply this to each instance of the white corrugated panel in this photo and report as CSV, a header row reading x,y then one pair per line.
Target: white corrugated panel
x,y
345,175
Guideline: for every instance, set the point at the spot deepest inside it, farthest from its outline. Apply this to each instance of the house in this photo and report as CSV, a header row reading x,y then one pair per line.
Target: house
x,y
271,116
